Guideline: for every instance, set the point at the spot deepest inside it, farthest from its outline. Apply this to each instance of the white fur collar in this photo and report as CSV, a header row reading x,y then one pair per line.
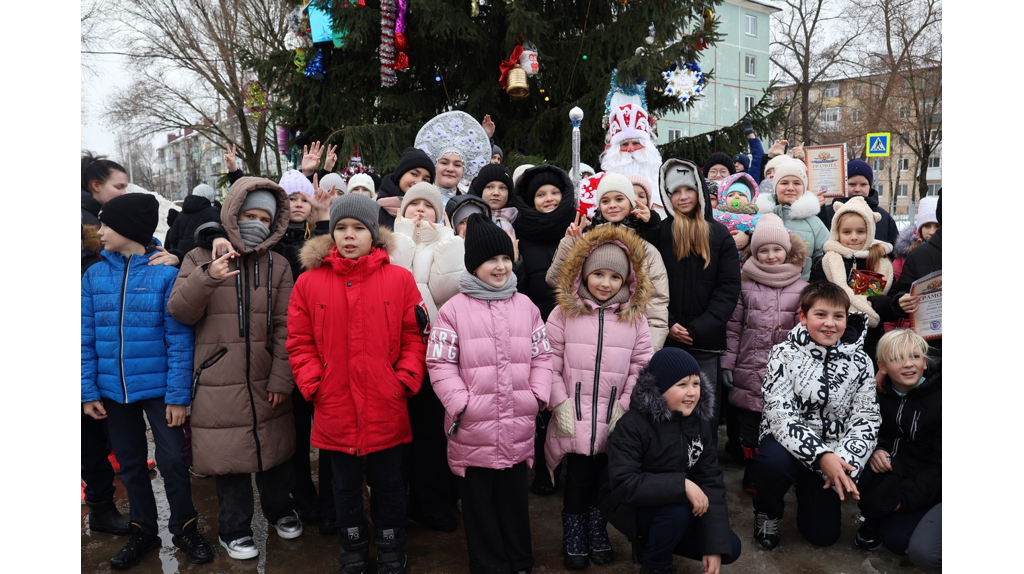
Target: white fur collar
x,y
806,206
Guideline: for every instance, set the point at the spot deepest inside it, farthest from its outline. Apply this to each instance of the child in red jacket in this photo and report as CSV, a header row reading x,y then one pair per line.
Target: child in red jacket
x,y
350,315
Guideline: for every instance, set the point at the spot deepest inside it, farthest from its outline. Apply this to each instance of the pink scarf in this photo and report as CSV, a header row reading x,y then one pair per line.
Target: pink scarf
x,y
775,276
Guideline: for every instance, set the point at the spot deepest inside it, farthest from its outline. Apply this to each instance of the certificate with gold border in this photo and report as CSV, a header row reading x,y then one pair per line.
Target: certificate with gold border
x,y
826,169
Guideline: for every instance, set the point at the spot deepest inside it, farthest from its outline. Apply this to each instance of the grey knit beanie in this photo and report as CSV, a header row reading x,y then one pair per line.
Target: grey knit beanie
x,y
678,176
429,192
358,207
607,256
204,190
260,199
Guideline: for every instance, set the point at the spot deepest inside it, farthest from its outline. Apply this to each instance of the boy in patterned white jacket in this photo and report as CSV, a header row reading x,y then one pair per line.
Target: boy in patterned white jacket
x,y
820,419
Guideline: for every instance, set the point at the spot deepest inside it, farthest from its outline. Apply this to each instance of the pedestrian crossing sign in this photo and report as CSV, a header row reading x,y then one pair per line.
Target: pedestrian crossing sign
x,y
878,144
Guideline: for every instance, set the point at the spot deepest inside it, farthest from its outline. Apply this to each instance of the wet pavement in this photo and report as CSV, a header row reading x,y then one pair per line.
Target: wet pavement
x,y
435,552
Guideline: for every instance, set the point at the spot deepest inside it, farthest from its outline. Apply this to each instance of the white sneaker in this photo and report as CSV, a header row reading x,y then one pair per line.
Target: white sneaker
x,y
241,549
289,527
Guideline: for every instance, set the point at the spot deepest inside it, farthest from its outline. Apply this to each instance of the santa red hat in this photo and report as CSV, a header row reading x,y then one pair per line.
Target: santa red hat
x,y
628,122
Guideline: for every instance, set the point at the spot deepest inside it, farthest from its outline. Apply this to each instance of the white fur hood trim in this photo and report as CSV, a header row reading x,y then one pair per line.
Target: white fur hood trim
x,y
806,206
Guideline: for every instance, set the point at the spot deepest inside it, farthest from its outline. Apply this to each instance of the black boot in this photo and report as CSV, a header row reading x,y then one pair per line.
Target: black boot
x,y
575,543
600,545
104,517
355,549
135,549
197,549
391,556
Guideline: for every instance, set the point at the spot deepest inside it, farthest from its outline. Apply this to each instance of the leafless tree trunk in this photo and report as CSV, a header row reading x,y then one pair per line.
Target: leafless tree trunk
x,y
812,41
191,58
140,154
906,50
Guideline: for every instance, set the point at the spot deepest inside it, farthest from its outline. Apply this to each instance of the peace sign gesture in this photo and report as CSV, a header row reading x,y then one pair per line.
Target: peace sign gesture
x,y
642,212
331,158
576,228
229,157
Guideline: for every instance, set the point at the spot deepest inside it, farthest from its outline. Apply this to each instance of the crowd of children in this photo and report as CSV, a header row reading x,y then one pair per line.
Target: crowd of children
x,y
415,334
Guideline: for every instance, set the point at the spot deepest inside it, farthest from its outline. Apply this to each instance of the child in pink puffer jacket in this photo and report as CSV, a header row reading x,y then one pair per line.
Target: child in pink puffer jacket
x,y
766,312
490,364
600,341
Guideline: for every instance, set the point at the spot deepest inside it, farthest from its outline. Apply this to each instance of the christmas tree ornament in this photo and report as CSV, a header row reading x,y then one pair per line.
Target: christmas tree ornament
x,y
684,81
528,60
456,132
401,45
315,68
388,13
650,35
300,60
513,76
256,101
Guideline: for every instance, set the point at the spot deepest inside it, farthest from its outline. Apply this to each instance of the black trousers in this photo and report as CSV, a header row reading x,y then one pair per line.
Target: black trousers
x,y
583,478
128,435
496,513
673,529
307,501
818,513
387,490
96,470
749,426
235,498
426,458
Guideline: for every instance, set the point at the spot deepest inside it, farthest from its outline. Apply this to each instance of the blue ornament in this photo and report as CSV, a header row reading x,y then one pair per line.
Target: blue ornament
x,y
315,67
437,79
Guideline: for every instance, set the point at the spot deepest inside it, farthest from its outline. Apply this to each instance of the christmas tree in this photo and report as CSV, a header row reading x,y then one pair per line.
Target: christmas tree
x,y
454,51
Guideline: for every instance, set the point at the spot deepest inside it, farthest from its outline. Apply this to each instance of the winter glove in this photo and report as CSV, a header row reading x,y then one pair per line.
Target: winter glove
x,y
565,424
726,378
617,412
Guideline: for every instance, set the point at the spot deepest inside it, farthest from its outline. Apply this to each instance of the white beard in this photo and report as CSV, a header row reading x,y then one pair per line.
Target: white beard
x,y
645,162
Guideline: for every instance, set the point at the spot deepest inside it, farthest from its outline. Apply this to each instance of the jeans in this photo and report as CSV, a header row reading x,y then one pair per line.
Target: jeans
x,y
818,514
235,498
925,548
387,489
673,529
128,436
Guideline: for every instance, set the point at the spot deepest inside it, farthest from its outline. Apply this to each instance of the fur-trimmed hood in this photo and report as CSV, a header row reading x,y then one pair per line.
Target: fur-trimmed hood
x,y
648,400
233,204
806,206
906,238
316,249
570,274
742,177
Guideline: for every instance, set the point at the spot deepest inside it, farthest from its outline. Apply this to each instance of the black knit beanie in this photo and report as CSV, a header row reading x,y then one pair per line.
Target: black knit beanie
x,y
743,159
670,365
546,177
488,173
485,240
413,158
719,158
133,215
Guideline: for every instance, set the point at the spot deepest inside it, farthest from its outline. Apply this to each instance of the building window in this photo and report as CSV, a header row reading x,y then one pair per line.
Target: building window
x,y
904,112
750,65
831,115
748,103
830,92
933,189
903,164
673,135
902,190
857,115
877,164
935,161
751,25
881,190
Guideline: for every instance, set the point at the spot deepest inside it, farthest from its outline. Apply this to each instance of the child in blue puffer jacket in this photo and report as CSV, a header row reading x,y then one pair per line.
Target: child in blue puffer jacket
x,y
137,359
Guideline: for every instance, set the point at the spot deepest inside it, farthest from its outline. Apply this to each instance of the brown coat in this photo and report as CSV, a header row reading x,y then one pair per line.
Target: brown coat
x,y
234,430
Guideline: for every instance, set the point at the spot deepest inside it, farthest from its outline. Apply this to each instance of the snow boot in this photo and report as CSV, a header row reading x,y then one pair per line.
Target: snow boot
x,y
575,542
600,546
749,478
355,549
104,517
391,555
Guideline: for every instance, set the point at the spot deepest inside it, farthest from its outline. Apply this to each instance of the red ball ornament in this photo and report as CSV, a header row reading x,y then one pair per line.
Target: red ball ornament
x,y
401,61
400,43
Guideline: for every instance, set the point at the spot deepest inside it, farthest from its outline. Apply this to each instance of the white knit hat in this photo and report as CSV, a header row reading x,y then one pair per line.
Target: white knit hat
x,y
615,182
